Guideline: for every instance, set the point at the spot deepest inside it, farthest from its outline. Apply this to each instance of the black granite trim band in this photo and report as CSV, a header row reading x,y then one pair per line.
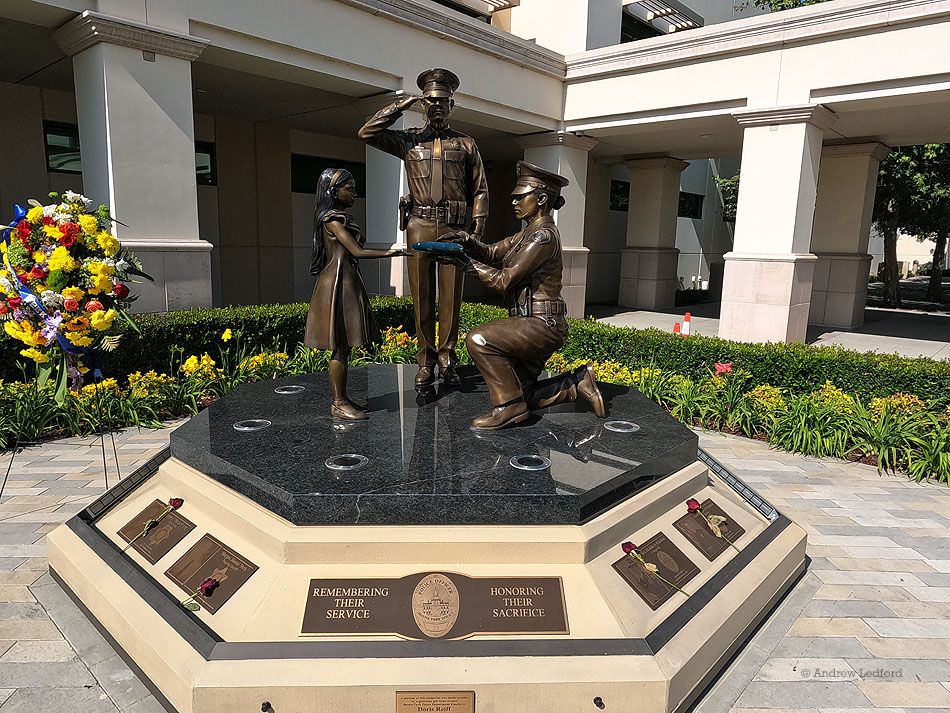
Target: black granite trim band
x,y
467,648
105,502
669,627
198,634
707,681
122,653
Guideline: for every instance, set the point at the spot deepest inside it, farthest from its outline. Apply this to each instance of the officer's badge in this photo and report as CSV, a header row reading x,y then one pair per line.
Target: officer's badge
x,y
455,144
541,236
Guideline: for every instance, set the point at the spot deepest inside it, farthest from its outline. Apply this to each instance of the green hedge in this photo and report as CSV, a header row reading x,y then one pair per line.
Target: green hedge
x,y
796,367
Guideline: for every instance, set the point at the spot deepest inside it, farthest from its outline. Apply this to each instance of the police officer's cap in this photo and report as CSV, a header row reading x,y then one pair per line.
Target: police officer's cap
x,y
531,177
437,83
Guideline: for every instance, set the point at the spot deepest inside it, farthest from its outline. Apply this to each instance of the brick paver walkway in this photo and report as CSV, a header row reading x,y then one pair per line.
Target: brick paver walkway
x,y
867,627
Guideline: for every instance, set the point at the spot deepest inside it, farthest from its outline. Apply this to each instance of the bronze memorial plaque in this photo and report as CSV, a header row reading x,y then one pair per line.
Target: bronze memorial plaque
x,y
435,701
435,605
211,558
169,531
696,530
671,564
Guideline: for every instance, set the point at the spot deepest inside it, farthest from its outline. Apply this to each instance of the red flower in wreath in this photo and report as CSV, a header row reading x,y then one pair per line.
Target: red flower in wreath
x,y
15,301
67,241
93,306
121,291
38,272
70,305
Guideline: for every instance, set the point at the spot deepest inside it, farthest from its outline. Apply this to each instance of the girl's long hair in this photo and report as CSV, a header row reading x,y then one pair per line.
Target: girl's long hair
x,y
323,204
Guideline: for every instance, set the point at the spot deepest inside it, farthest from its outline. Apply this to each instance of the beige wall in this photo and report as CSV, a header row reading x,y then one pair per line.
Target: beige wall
x,y
23,173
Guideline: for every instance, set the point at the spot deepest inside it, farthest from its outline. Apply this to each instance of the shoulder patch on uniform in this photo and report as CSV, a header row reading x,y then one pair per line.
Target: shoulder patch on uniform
x,y
541,236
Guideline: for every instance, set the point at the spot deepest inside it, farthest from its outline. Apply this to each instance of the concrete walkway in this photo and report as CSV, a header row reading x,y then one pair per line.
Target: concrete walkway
x,y
867,627
887,331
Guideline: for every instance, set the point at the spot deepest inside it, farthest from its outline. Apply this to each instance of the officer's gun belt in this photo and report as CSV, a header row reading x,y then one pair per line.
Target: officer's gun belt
x,y
451,214
541,309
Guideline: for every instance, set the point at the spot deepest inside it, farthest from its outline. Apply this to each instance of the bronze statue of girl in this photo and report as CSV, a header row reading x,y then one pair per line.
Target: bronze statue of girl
x,y
340,317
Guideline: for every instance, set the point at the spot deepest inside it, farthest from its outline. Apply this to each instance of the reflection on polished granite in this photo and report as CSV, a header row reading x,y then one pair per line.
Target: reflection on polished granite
x,y
425,464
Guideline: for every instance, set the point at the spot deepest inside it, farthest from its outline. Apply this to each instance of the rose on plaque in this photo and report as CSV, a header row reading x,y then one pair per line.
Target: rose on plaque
x,y
715,522
205,589
630,550
173,504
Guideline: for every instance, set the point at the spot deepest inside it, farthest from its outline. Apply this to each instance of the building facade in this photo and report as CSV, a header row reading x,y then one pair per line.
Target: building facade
x,y
204,126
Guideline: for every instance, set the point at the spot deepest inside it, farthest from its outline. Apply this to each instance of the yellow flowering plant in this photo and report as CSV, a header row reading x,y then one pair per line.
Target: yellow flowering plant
x,y
64,284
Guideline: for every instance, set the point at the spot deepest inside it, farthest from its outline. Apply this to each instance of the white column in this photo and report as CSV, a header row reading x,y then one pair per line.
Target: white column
x,y
136,129
768,275
648,262
385,183
839,237
567,155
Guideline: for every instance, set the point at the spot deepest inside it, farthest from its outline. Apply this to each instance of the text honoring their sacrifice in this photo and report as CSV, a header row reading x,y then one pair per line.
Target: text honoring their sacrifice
x,y
435,605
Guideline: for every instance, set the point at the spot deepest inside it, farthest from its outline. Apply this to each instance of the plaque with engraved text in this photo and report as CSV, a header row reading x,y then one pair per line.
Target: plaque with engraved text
x,y
211,558
696,530
159,541
429,701
435,605
671,564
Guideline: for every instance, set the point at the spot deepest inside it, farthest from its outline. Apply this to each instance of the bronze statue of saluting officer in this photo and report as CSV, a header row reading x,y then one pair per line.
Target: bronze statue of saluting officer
x,y
446,181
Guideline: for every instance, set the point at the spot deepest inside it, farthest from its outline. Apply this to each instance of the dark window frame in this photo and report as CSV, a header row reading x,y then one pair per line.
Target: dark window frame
x,y
619,195
62,129
207,147
318,164
690,205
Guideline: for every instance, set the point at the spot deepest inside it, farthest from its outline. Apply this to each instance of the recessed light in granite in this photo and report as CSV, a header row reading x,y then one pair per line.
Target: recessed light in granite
x,y
424,464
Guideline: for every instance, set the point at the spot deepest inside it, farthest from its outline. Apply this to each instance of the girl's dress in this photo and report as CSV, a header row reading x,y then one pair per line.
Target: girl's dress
x,y
339,314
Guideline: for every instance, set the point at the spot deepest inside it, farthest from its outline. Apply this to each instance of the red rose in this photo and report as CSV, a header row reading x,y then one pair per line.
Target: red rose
x,y
23,229
38,272
47,220
629,547
67,240
692,504
121,291
70,305
69,229
93,306
207,586
175,503
3,308
14,302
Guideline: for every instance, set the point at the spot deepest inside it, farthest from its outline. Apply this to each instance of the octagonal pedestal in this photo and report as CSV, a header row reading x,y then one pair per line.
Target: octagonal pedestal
x,y
434,505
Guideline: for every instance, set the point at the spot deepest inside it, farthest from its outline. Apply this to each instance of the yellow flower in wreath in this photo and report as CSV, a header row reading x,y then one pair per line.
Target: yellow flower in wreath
x,y
75,292
52,231
108,243
79,339
37,356
101,283
34,214
60,259
78,324
39,256
88,224
102,319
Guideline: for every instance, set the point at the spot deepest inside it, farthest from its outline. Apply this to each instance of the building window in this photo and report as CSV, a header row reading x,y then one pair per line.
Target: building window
x,y
633,29
459,7
305,170
691,205
620,195
206,171
62,147
63,155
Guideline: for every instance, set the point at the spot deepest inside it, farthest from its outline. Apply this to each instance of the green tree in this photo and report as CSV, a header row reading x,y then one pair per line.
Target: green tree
x,y
930,218
779,5
729,190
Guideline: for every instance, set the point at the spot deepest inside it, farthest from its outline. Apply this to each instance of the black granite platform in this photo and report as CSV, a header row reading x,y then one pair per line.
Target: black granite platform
x,y
425,464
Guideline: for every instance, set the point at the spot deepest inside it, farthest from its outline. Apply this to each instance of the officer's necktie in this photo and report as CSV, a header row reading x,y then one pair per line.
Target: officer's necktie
x,y
435,187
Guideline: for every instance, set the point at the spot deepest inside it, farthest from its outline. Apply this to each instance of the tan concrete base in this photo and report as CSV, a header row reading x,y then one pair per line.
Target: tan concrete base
x,y
648,277
840,290
765,298
181,270
262,657
574,280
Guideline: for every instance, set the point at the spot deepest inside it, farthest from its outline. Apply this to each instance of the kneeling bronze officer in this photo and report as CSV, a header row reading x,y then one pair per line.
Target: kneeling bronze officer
x,y
510,353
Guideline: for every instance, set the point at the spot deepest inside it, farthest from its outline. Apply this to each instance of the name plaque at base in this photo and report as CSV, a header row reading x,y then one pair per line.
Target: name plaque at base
x,y
435,605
